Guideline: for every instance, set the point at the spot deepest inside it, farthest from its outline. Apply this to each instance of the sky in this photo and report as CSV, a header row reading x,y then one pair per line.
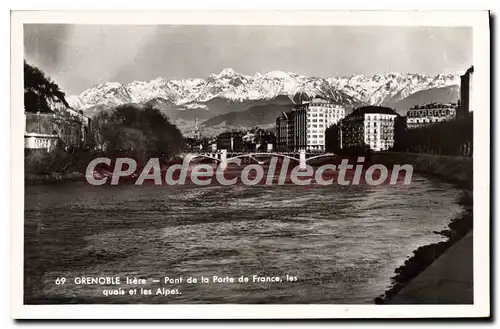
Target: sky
x,y
78,57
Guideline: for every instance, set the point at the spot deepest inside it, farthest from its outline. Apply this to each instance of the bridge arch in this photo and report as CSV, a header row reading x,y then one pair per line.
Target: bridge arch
x,y
265,154
195,155
320,156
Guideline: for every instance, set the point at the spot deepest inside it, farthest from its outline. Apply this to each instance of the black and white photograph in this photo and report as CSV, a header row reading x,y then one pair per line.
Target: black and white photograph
x,y
185,161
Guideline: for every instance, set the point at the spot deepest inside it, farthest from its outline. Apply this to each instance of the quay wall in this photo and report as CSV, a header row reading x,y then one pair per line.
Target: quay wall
x,y
454,169
424,278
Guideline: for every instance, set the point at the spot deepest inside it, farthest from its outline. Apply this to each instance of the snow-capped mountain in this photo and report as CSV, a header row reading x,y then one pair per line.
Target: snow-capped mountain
x,y
235,87
385,89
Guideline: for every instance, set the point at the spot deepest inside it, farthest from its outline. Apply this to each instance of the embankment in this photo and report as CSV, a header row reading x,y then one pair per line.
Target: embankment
x,y
425,277
453,169
52,178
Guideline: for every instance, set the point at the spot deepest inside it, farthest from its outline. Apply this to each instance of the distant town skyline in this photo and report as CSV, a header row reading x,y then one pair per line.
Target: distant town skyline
x,y
78,57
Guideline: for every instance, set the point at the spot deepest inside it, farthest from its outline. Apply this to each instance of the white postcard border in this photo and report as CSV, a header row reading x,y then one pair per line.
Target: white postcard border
x,y
478,20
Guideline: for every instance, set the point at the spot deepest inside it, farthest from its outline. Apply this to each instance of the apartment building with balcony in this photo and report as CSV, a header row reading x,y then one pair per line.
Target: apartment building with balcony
x,y
371,126
304,127
423,115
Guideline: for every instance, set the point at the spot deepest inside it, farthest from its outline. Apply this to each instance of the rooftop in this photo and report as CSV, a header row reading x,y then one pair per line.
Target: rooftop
x,y
372,110
320,99
433,106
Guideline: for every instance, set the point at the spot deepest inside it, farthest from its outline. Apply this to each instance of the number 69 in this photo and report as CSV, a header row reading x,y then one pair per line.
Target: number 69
x,y
60,280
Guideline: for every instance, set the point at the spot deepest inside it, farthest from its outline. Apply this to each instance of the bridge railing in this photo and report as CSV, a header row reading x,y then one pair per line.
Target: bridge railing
x,y
311,153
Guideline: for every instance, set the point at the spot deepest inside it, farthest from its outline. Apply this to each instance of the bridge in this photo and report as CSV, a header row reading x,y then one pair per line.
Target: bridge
x,y
223,156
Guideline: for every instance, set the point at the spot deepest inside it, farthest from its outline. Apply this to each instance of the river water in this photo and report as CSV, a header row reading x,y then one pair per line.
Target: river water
x,y
342,243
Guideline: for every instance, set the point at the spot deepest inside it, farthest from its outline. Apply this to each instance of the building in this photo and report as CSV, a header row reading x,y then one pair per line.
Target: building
x,y
84,125
368,126
230,141
44,130
423,115
73,128
196,130
284,125
332,138
304,127
40,131
465,93
208,144
258,139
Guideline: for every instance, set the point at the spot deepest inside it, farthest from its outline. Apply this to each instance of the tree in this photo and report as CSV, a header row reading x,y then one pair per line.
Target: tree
x,y
138,131
446,137
40,90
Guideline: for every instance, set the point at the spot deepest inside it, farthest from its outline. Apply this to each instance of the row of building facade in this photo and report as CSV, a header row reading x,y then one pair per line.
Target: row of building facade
x,y
419,116
367,126
373,126
304,127
234,141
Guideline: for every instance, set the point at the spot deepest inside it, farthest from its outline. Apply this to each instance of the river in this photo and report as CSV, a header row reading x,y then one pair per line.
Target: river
x,y
342,243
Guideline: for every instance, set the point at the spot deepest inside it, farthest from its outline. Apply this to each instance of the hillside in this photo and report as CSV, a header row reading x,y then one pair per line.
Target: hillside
x,y
255,116
449,94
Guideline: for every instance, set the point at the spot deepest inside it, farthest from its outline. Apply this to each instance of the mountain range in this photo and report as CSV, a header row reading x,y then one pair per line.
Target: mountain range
x,y
232,100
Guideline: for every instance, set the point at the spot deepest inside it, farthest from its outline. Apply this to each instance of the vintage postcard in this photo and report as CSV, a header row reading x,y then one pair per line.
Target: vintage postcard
x,y
250,165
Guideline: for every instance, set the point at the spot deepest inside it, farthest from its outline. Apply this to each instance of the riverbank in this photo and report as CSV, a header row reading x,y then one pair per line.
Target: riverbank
x,y
52,178
448,280
453,169
426,277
